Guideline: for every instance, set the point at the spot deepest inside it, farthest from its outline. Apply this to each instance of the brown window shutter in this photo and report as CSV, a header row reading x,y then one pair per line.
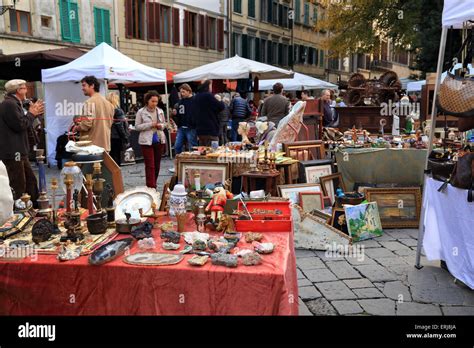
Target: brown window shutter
x,y
150,11
220,35
128,19
202,32
186,28
176,26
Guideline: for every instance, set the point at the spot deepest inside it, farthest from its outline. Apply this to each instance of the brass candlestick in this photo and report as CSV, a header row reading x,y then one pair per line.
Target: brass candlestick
x,y
68,181
54,187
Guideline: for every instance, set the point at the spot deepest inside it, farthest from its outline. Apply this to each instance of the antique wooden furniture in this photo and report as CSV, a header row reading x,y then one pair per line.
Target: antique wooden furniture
x,y
271,181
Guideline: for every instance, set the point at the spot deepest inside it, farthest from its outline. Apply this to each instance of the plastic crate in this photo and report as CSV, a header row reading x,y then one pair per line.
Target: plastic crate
x,y
266,222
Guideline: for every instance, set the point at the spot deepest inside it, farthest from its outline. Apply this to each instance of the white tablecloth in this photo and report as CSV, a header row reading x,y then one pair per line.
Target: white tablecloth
x,y
449,230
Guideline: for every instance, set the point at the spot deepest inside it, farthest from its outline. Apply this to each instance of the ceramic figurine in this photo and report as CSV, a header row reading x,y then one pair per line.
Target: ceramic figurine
x,y
217,203
251,259
224,260
178,200
226,224
197,260
171,236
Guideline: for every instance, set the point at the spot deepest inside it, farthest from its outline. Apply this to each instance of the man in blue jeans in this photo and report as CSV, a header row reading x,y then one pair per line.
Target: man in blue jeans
x,y
240,111
185,120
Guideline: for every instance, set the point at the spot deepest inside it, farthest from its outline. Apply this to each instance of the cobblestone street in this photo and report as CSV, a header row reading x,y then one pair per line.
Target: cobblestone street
x,y
380,281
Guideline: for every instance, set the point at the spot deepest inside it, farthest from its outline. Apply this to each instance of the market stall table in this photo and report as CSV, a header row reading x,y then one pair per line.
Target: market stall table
x,y
449,227
45,286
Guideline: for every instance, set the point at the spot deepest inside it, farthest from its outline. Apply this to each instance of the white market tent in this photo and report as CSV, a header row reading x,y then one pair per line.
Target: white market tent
x,y
232,69
456,13
297,83
63,94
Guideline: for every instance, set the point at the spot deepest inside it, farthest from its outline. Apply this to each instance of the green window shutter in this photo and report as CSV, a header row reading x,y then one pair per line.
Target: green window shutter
x,y
238,6
74,22
99,34
245,53
306,13
321,58
315,14
64,18
106,26
297,11
316,57
258,55
290,55
251,8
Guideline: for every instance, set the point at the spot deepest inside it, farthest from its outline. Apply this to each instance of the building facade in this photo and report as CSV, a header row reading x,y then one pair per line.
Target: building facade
x,y
175,35
35,25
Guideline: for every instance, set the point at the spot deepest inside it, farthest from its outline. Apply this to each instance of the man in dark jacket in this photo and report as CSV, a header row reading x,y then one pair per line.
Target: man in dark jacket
x,y
183,115
206,110
240,111
14,147
276,106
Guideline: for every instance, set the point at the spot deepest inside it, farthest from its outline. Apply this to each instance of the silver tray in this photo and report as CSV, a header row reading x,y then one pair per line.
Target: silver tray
x,y
132,200
153,259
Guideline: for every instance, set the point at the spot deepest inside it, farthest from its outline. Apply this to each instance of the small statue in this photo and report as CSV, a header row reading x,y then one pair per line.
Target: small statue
x,y
243,131
75,197
110,195
218,202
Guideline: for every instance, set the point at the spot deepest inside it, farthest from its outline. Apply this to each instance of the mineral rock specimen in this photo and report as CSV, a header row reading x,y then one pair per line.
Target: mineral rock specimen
x,y
198,260
251,259
199,245
263,248
146,243
224,260
253,237
171,236
170,246
191,237
242,252
142,231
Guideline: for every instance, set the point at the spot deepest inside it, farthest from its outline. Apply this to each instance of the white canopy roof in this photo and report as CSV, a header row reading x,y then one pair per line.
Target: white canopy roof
x,y
104,62
233,68
298,82
456,12
415,86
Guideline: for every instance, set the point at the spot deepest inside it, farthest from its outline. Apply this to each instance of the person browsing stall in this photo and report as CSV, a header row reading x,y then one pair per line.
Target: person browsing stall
x,y
185,120
276,106
150,122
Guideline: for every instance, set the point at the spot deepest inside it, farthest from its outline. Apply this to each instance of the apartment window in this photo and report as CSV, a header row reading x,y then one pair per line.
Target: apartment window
x,y
20,22
297,10
237,44
238,6
275,12
165,23
280,15
306,13
275,52
46,21
321,59
220,35
251,48
102,25
269,52
263,51
284,57
190,29
316,57
211,33
135,19
69,21
202,31
251,8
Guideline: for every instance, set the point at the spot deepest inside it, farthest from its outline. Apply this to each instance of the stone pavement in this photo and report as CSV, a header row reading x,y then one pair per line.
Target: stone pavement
x,y
380,280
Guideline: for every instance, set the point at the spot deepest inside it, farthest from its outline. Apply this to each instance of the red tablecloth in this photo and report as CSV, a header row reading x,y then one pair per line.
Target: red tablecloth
x,y
46,286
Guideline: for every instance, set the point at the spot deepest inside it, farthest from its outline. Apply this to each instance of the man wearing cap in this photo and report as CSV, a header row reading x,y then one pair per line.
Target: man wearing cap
x,y
14,125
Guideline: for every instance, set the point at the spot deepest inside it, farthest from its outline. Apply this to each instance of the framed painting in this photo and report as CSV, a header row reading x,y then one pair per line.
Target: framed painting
x,y
210,172
292,191
363,221
310,201
338,220
307,169
330,183
398,207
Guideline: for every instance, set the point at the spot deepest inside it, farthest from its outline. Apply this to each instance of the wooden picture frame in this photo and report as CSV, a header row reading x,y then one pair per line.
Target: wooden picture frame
x,y
165,197
305,150
338,220
398,207
291,191
211,172
328,186
310,201
115,173
305,166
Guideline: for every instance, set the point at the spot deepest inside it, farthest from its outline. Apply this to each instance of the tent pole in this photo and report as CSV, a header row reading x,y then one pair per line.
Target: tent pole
x,y
168,117
46,150
434,112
